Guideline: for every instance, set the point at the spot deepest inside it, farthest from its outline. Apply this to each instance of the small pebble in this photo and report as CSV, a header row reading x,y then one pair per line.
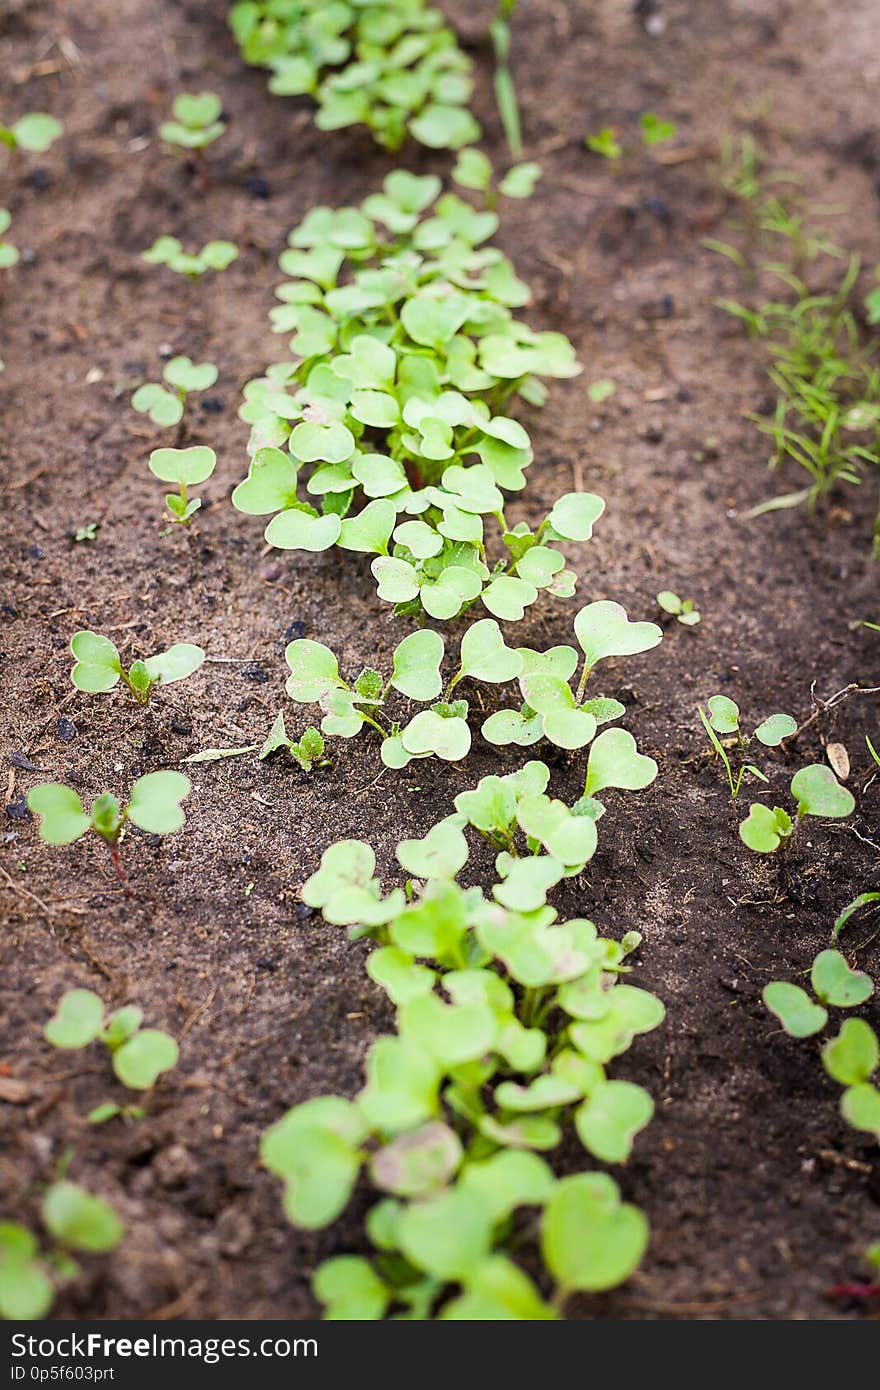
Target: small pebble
x,y
66,729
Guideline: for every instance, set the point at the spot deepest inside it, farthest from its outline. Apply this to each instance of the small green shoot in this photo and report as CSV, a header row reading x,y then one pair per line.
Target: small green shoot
x,y
681,609
77,1223
36,133
655,130
721,721
196,122
605,143
139,1055
187,468
816,791
9,254
98,667
166,407
168,251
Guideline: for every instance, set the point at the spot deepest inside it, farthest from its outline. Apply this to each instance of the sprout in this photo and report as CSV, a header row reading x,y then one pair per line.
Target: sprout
x,y
77,1222
98,667
196,121
187,468
166,407
8,252
139,1055
35,132
682,609
721,721
154,806
168,251
816,791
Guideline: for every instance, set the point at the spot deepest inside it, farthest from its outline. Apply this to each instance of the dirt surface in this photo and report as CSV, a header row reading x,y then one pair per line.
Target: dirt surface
x,y
758,1196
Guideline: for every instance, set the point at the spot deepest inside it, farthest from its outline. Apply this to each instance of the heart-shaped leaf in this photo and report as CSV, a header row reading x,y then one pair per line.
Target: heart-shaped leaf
x,y
723,714
314,670
497,1289
175,664
197,109
416,671
574,515
187,376
98,667
796,1011
350,1289
315,1148
162,406
615,762
140,1061
314,441
79,1221
563,723
62,818
764,830
397,973
430,732
77,1020
590,1239
187,466
370,530
834,983
610,1119
446,1235
508,597
484,655
454,587
155,802
397,580
402,1084
570,839
860,1107
603,629
441,854
526,882
270,485
295,529
818,793
774,729
418,1163
854,1054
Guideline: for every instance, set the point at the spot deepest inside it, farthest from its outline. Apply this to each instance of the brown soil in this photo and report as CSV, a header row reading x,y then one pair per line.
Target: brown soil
x,y
758,1195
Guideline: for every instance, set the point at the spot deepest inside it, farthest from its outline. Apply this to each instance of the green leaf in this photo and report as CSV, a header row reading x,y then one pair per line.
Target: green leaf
x,y
498,1290
615,762
655,129
97,667
343,887
774,729
121,1025
314,670
299,530
508,597
723,714
402,1084
186,376
794,1008
609,1120
764,829
162,407
450,1033
526,882
398,974
419,1162
574,516
860,1107
818,793
430,732
834,983
562,723
62,818
570,839
175,664
630,1012
188,466
77,1020
510,1179
446,1235
36,131
25,1291
155,802
484,655
350,1290
520,181
197,110
140,1061
590,1239
863,900
603,629
445,127
315,1148
441,854
854,1054
79,1221
270,485
473,169
416,670
370,530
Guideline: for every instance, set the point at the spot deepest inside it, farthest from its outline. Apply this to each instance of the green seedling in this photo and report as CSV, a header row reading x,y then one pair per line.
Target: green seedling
x,y
98,667
196,122
601,390
88,532
187,468
655,130
852,1057
682,609
154,806
139,1055
307,751
35,133
8,253
816,791
506,1021
505,90
605,143
551,711
168,251
166,407
388,432
473,169
77,1223
863,900
721,721
396,69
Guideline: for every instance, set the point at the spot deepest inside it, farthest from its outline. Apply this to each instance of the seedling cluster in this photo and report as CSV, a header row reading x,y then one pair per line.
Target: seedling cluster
x,y
98,667
77,1223
816,792
196,122
166,407
507,1021
721,721
187,468
395,68
168,251
139,1055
